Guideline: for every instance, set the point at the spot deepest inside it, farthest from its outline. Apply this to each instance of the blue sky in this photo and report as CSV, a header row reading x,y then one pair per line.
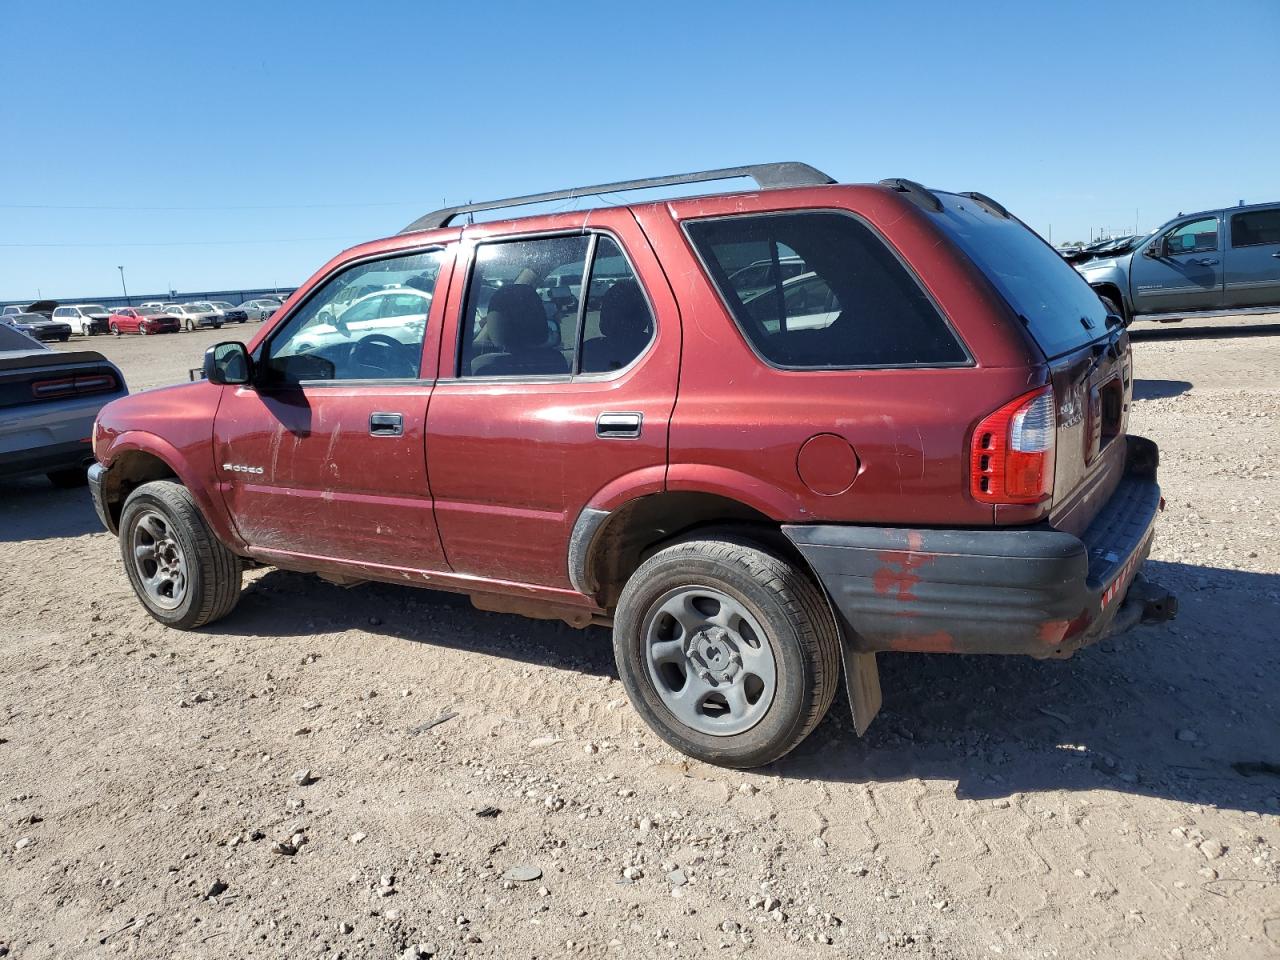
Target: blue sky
x,y
287,131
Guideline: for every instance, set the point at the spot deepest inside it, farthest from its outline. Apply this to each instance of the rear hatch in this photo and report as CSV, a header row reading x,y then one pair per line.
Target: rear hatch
x,y
1086,352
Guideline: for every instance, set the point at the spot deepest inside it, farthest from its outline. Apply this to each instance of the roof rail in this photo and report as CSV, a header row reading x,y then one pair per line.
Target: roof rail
x,y
983,200
766,175
921,196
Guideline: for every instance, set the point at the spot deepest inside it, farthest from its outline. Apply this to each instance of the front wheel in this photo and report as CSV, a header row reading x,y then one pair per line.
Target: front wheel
x,y
188,326
728,652
115,330
180,571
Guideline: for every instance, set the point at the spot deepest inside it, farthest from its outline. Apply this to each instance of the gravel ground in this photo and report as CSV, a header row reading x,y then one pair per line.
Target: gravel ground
x,y
383,772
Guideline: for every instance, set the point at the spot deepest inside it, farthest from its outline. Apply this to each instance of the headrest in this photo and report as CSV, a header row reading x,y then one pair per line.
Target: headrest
x,y
516,318
623,311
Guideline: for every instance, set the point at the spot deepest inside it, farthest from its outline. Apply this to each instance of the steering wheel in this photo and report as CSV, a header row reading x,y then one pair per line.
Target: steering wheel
x,y
378,350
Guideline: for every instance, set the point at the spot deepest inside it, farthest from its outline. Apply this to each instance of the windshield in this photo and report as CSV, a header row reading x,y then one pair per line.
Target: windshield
x,y
1060,310
93,308
204,305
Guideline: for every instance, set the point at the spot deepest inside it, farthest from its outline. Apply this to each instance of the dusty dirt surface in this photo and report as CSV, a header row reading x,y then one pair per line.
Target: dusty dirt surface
x,y
1119,804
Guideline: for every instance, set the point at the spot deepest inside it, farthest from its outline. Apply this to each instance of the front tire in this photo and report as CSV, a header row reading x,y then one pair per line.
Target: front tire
x,y
728,652
115,330
180,571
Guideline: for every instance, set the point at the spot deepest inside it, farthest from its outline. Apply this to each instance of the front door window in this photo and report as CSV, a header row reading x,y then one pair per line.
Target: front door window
x,y
367,323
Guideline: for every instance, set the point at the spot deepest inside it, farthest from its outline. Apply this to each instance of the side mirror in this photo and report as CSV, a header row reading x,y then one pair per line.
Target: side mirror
x,y
228,363
1154,250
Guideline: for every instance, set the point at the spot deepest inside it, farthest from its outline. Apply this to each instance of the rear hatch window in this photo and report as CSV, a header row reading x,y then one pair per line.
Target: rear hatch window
x,y
1060,310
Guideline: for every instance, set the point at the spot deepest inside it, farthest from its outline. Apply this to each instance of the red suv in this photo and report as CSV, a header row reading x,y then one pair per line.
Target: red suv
x,y
763,435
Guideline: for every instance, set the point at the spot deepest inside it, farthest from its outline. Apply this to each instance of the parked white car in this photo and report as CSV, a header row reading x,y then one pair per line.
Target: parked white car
x,y
399,312
192,316
85,319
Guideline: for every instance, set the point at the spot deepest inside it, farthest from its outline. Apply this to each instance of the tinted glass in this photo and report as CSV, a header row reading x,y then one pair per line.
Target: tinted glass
x,y
343,333
1199,236
617,321
821,291
1059,309
1255,228
521,315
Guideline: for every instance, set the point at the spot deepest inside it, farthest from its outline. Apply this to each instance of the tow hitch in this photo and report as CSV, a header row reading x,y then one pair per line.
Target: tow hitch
x,y
1146,602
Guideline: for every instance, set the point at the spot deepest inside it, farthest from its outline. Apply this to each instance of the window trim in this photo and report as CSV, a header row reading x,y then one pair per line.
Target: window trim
x,y
1232,245
571,376
278,326
709,276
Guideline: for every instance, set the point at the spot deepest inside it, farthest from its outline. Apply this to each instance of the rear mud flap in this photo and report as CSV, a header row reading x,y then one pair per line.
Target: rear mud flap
x,y
862,680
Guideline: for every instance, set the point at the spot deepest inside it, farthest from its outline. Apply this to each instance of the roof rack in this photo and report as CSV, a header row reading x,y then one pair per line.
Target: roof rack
x,y
767,176
918,194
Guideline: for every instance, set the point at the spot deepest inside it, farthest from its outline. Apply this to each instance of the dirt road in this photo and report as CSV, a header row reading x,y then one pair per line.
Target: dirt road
x,y
1114,805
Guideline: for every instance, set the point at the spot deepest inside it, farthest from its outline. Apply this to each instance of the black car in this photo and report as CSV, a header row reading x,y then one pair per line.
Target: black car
x,y
39,326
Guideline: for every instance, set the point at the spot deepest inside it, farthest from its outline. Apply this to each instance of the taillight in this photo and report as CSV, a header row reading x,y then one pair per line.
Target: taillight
x,y
1012,451
73,386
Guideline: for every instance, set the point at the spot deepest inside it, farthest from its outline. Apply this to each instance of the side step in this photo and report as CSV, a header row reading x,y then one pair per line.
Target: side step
x,y
1208,314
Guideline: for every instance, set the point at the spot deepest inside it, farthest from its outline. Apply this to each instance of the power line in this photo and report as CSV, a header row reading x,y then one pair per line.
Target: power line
x,y
269,206
188,243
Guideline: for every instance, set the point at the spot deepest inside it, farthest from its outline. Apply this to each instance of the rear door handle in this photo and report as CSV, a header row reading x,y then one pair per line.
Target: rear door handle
x,y
1207,262
386,424
1276,255
619,425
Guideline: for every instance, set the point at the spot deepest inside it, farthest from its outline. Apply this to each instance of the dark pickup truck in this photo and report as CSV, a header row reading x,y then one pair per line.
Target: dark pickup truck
x,y
1215,263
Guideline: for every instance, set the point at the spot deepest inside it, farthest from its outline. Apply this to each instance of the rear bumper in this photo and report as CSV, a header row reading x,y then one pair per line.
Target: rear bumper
x,y
1033,591
46,459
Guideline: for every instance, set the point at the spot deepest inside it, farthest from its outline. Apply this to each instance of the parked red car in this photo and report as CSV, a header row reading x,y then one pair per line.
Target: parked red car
x,y
143,321
913,438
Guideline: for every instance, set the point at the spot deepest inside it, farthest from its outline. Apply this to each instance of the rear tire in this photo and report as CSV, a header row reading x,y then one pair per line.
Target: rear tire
x,y
785,645
180,571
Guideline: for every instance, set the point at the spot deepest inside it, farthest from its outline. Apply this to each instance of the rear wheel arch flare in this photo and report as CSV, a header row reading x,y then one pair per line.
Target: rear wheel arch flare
x,y
607,546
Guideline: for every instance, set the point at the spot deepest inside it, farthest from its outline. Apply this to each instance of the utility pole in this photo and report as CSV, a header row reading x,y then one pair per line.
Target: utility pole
x,y
124,288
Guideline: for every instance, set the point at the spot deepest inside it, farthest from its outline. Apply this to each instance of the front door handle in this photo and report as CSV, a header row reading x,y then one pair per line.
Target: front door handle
x,y
1207,262
1276,255
619,425
386,424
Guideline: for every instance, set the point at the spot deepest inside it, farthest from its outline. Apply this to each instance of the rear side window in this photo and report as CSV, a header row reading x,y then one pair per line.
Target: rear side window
x,y
1255,228
821,291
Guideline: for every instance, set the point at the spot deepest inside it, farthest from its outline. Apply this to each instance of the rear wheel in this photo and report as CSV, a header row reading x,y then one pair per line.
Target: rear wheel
x,y
180,571
188,325
728,652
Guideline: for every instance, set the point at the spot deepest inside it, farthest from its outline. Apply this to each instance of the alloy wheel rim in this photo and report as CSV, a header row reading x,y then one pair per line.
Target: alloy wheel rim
x,y
709,660
159,560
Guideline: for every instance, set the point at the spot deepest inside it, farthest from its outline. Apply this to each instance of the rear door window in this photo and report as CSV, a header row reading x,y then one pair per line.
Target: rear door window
x,y
552,306
1255,228
820,290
